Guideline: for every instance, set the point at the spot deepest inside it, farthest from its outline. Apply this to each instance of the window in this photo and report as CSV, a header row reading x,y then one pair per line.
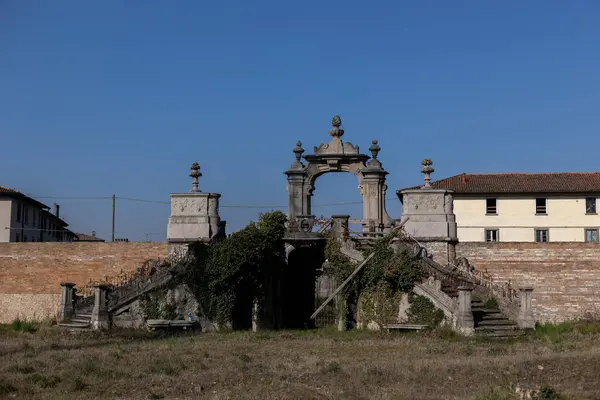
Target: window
x,y
24,238
541,235
590,205
19,212
490,206
591,235
33,218
491,235
25,216
18,239
540,206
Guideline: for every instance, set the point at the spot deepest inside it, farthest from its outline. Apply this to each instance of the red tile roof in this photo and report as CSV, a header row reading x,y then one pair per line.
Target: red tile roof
x,y
7,190
15,193
511,182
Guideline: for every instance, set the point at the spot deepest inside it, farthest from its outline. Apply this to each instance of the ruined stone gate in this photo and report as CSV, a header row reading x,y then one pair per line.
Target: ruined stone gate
x,y
337,156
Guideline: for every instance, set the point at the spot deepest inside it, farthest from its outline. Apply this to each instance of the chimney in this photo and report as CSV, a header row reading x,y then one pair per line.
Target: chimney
x,y
93,234
463,179
56,210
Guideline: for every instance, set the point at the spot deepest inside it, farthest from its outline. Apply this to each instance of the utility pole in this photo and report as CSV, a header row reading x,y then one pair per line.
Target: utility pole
x,y
114,199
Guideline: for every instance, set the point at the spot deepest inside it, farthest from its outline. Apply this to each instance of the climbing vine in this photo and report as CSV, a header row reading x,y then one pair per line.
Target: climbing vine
x,y
398,270
381,281
232,271
423,311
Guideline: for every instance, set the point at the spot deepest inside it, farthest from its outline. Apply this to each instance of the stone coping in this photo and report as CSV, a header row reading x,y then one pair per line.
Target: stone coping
x,y
195,194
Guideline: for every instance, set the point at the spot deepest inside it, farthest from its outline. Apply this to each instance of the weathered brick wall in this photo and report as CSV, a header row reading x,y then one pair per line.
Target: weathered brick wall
x,y
30,273
565,276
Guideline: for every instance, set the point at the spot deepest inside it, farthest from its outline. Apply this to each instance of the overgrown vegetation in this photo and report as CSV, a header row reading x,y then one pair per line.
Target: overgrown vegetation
x,y
24,326
231,273
561,331
423,311
156,306
397,270
378,285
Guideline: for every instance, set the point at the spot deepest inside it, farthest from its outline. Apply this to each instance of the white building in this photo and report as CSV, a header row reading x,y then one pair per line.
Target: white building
x,y
23,219
525,207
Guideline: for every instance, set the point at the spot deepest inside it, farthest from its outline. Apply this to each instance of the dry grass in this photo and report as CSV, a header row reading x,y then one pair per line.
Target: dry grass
x,y
52,364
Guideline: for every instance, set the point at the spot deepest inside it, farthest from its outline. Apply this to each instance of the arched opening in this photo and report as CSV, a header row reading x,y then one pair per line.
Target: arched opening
x,y
338,193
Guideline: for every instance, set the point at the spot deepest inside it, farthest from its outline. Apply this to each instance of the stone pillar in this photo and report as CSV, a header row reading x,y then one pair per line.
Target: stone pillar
x,y
66,310
298,197
340,226
373,190
525,320
100,318
194,215
431,218
464,317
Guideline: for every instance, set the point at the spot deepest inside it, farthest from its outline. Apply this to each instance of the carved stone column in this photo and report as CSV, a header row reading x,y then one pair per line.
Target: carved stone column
x,y
464,317
373,192
194,215
66,310
100,318
526,320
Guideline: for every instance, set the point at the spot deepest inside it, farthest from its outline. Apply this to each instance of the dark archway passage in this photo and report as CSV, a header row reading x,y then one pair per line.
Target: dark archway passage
x,y
298,286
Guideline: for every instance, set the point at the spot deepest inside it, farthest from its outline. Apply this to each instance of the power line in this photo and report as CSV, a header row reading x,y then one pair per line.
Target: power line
x,y
221,206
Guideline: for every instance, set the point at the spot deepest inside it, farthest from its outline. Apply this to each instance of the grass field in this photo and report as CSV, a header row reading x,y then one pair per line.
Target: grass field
x,y
53,364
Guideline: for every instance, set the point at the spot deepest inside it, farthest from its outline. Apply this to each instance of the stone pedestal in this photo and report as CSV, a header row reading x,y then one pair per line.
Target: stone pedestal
x,y
525,320
464,315
340,226
100,318
431,221
66,310
194,217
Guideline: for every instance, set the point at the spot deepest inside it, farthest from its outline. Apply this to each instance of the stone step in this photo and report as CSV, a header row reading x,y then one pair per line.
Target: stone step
x,y
500,334
74,325
81,320
496,328
82,315
488,313
490,322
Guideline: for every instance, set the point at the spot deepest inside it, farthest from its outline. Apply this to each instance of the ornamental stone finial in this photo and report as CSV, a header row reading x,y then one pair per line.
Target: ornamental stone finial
x,y
427,170
298,150
195,174
336,122
374,149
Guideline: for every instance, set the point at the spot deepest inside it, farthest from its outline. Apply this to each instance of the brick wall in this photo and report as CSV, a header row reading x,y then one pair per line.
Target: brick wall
x,y
30,273
565,276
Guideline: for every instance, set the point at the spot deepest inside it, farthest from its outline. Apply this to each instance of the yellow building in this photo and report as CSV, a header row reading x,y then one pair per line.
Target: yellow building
x,y
525,207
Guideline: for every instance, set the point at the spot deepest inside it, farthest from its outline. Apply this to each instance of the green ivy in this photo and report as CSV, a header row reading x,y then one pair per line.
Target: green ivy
x,y
423,311
399,270
155,306
233,270
389,273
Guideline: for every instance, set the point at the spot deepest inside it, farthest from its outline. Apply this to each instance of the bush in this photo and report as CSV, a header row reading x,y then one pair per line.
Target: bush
x,y
548,393
23,326
423,311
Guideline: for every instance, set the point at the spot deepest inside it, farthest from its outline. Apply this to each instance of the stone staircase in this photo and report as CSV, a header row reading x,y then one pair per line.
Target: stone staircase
x,y
491,322
122,295
81,321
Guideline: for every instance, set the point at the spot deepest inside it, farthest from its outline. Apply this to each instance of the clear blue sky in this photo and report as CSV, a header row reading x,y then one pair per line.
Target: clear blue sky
x,y
121,97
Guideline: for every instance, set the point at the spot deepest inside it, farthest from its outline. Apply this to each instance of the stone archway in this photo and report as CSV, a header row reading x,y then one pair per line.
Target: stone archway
x,y
337,156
